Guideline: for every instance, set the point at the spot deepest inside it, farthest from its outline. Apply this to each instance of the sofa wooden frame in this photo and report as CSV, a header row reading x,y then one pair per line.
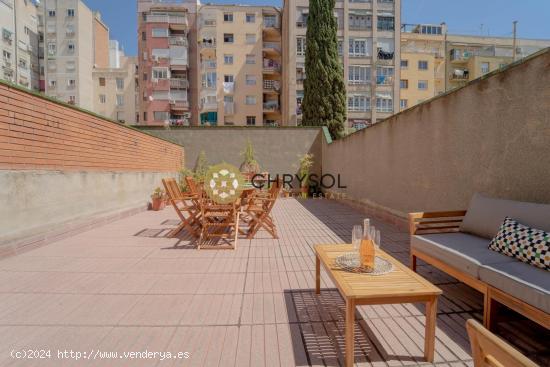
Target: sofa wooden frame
x,y
449,222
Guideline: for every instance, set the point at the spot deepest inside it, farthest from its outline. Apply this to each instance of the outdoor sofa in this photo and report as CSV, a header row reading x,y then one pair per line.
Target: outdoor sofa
x,y
456,242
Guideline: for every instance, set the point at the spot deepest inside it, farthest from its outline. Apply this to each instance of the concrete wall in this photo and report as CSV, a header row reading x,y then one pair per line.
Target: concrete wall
x,y
60,165
278,150
492,136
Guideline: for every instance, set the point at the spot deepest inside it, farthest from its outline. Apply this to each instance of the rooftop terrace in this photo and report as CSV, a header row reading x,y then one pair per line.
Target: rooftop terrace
x,y
125,287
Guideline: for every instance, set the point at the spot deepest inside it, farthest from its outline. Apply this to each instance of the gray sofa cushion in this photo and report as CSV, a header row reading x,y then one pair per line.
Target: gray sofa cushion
x,y
485,215
523,281
462,251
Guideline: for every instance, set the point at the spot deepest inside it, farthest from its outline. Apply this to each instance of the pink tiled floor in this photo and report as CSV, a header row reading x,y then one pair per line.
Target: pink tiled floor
x,y
125,287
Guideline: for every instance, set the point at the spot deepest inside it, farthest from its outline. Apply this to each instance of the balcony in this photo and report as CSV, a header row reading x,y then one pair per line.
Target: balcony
x,y
384,80
272,86
271,66
460,75
209,105
208,64
173,20
272,48
207,47
271,25
178,41
179,83
459,56
176,105
271,106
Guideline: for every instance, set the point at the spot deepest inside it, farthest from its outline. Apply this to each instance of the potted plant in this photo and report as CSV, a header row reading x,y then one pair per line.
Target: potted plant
x,y
201,168
306,162
250,166
157,199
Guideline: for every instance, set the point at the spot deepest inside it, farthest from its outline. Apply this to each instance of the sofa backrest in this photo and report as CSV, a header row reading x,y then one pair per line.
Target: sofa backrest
x,y
485,215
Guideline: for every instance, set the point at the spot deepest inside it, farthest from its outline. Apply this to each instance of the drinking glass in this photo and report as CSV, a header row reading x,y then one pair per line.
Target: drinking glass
x,y
377,239
356,234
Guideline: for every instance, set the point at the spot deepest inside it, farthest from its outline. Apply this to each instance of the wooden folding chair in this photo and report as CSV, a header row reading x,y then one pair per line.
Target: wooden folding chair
x,y
489,350
186,208
219,222
258,211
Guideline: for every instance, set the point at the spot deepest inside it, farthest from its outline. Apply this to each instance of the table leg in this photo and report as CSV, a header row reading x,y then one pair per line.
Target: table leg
x,y
350,324
317,275
431,320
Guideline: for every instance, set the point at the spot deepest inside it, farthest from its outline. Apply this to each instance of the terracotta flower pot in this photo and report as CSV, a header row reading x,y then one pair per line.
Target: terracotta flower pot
x,y
157,204
304,190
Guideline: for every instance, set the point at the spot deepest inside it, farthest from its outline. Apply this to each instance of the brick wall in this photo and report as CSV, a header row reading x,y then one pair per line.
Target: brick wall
x,y
38,133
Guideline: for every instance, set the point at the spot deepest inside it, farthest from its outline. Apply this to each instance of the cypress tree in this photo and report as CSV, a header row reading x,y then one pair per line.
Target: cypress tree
x,y
324,102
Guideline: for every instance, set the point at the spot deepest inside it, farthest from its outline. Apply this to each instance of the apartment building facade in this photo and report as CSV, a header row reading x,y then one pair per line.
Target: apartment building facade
x,y
19,43
165,70
240,65
433,61
369,47
71,35
115,87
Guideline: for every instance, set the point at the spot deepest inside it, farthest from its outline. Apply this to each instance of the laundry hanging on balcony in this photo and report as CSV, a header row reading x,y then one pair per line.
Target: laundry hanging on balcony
x,y
385,55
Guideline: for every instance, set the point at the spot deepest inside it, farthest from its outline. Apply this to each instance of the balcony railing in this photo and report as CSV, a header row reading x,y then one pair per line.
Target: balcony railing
x,y
209,64
272,45
172,19
178,41
179,83
176,104
175,61
385,55
460,74
458,55
384,79
208,23
271,106
274,85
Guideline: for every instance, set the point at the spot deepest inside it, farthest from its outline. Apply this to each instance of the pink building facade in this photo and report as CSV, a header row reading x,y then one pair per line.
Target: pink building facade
x,y
164,63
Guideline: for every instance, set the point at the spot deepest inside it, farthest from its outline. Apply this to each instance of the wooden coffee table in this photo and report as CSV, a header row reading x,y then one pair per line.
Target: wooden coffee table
x,y
401,285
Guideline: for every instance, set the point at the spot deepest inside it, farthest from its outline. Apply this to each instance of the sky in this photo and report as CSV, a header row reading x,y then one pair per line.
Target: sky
x,y
475,17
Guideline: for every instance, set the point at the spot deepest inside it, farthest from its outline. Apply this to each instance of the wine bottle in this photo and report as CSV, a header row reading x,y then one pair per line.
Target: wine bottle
x,y
367,249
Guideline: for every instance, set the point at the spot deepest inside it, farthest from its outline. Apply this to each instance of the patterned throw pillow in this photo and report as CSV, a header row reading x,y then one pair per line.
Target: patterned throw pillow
x,y
527,244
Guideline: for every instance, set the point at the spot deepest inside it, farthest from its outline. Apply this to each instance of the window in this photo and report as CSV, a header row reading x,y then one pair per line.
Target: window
x,y
120,100
250,120
144,76
228,59
359,74
72,99
143,36
227,17
160,53
52,49
228,99
358,102
52,83
70,12
6,55
120,116
228,79
119,83
228,37
71,83
69,29
160,73
144,116
71,46
270,21
384,75
250,100
404,84
250,59
403,103
102,98
251,18
159,32
300,46
404,64
484,67
340,47
385,23
250,38
70,65
358,47
384,103
422,84
161,115
209,79
51,13
422,65
27,31
360,21
251,80
430,29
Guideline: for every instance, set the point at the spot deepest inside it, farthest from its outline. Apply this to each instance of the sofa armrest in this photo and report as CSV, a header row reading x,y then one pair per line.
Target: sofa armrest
x,y
435,222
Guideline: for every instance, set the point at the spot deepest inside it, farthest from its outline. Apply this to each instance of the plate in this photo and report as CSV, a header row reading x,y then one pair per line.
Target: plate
x,y
350,262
